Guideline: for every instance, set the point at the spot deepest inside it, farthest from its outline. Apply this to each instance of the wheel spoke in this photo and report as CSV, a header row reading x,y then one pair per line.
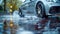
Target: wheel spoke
x,y
39,10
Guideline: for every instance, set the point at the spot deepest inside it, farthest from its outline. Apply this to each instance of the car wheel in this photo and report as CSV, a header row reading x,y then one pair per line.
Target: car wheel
x,y
40,10
20,13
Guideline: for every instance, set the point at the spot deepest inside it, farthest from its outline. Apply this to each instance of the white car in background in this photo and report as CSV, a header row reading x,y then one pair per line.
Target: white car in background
x,y
40,8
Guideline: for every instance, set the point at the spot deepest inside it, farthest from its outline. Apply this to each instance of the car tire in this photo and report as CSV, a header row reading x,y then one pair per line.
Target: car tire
x,y
20,13
40,10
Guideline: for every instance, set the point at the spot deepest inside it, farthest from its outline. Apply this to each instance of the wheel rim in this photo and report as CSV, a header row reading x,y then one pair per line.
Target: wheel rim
x,y
39,11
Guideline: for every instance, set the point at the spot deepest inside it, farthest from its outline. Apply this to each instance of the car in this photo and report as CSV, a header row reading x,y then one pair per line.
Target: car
x,y
40,8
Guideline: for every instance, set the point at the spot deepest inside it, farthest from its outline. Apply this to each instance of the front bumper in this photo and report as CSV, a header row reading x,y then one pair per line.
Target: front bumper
x,y
54,10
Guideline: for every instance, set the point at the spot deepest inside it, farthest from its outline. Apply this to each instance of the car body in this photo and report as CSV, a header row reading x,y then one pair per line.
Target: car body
x,y
40,7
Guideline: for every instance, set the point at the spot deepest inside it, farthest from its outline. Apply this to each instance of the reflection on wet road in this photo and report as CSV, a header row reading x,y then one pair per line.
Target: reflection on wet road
x,y
25,25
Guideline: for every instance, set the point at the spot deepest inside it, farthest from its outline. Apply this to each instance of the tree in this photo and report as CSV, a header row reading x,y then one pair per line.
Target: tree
x,y
4,5
14,3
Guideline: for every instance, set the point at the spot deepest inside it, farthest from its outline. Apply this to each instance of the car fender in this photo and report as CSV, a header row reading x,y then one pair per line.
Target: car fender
x,y
45,5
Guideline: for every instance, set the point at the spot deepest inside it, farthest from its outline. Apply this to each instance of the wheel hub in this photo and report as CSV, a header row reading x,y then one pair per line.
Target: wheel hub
x,y
39,11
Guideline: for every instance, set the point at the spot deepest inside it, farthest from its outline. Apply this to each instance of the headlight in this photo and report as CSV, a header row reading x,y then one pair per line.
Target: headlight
x,y
51,0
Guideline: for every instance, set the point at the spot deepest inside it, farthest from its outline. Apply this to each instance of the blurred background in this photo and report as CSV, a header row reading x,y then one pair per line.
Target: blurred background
x,y
12,23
